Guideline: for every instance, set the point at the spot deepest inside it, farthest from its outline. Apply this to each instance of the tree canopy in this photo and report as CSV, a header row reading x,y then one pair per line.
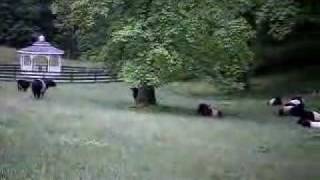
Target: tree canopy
x,y
153,42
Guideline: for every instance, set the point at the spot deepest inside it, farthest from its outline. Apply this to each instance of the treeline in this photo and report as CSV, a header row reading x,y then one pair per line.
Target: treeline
x,y
22,21
300,47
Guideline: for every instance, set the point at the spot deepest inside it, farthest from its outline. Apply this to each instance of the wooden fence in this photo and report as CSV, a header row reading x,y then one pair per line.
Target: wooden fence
x,y
69,74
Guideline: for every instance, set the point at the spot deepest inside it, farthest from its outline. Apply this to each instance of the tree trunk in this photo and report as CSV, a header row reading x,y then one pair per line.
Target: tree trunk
x,y
144,96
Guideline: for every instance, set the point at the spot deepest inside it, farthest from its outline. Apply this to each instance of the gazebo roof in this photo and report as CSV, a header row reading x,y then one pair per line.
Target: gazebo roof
x,y
41,47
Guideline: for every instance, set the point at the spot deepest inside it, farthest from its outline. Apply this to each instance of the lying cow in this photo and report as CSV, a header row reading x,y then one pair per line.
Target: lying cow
x,y
293,107
208,111
310,119
291,110
278,101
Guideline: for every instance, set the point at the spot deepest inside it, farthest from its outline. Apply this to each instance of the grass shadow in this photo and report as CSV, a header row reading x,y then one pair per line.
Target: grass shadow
x,y
166,109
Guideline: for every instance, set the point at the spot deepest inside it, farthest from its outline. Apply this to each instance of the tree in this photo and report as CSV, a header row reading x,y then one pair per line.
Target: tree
x,y
153,42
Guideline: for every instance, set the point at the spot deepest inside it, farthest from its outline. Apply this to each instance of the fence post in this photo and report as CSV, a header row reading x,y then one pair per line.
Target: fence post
x,y
71,76
15,72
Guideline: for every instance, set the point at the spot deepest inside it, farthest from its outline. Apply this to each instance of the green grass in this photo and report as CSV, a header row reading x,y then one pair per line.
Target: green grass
x,y
90,132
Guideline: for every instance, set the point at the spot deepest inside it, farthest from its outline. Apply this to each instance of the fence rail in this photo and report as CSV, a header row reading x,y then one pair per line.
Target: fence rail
x,y
69,74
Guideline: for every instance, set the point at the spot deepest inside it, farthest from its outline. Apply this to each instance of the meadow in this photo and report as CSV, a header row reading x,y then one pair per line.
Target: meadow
x,y
93,132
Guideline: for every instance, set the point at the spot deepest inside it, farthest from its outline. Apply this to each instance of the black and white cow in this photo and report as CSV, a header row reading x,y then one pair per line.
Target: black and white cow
x,y
310,119
40,86
277,101
291,110
294,107
23,85
309,124
208,111
295,101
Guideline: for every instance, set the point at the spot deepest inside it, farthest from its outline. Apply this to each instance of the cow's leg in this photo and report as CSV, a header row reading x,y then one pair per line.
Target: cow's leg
x,y
42,94
35,94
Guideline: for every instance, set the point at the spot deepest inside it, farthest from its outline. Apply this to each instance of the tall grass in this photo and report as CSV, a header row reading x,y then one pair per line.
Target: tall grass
x,y
90,132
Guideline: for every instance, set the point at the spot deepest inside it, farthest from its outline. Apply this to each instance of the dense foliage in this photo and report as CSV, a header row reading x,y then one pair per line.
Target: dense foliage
x,y
23,20
279,17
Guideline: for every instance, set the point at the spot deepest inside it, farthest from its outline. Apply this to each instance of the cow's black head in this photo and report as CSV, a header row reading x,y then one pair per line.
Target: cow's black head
x,y
276,101
204,109
50,83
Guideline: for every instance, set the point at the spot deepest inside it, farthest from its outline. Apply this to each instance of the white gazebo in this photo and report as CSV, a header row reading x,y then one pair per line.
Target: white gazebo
x,y
41,56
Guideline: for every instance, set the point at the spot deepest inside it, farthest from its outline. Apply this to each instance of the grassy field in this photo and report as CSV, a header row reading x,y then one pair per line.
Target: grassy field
x,y
91,132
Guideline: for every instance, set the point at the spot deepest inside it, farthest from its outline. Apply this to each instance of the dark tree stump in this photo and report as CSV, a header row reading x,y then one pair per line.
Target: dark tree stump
x,y
144,96
134,93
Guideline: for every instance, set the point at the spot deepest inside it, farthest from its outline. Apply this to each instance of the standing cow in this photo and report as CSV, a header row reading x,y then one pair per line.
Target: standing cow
x,y
23,85
40,86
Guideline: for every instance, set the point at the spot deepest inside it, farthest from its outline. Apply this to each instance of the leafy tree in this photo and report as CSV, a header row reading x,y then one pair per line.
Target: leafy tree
x,y
153,42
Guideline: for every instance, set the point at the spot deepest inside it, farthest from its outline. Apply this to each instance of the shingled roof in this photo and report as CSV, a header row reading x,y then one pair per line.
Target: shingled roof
x,y
41,47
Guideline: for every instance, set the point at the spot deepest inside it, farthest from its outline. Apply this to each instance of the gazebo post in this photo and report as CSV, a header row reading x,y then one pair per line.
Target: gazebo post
x,y
21,62
48,63
32,64
60,62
